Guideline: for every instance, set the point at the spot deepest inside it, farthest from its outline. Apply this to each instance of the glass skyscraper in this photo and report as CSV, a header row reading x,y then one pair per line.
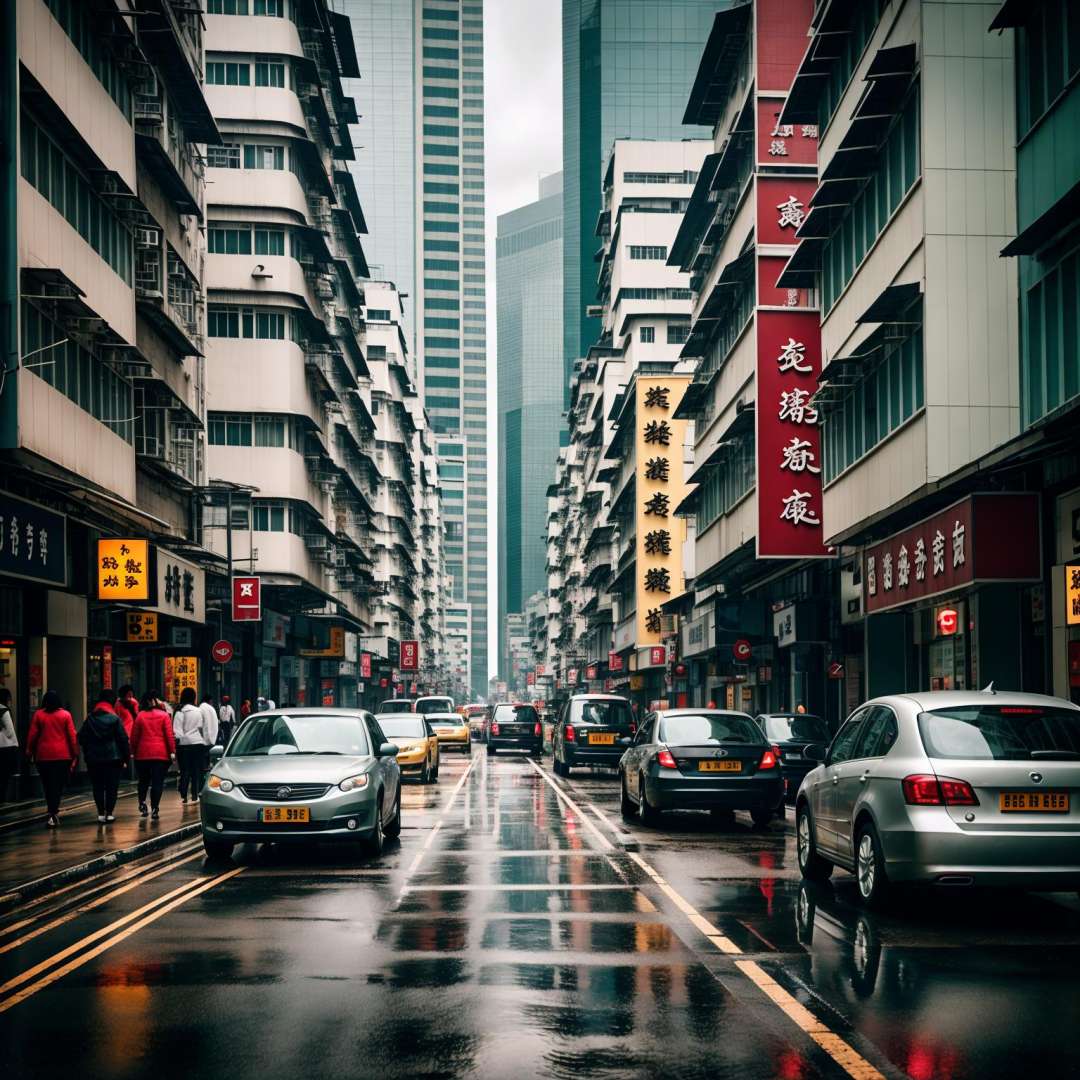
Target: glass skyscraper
x,y
628,66
528,253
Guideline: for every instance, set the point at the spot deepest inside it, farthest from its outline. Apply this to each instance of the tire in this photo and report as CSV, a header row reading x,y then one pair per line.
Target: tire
x,y
376,840
559,769
435,772
811,865
393,829
490,750
425,775
217,850
626,804
647,815
761,818
468,750
871,876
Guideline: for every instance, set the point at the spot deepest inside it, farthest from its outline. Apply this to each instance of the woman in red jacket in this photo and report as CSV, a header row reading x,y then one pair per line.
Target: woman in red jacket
x,y
51,744
153,746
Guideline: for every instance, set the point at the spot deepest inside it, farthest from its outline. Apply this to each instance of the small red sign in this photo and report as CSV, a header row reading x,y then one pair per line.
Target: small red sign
x,y
591,672
948,620
539,669
609,685
742,650
222,652
410,655
106,666
836,670
530,678
246,599
657,655
614,661
365,665
384,683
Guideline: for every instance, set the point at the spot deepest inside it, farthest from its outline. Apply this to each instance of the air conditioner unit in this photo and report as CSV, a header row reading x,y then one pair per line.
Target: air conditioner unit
x,y
147,236
668,625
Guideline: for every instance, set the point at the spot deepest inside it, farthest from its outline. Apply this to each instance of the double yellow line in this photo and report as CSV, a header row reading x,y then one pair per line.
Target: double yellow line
x,y
55,967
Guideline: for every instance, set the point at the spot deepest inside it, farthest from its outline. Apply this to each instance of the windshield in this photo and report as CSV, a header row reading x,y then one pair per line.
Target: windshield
x,y
608,713
796,729
434,705
522,714
395,706
1001,732
403,727
691,730
272,733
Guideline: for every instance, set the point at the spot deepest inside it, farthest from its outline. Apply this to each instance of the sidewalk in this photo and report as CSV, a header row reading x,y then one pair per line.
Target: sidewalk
x,y
32,852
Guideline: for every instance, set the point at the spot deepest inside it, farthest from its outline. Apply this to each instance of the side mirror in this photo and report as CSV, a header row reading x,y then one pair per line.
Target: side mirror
x,y
215,754
626,741
815,752
388,749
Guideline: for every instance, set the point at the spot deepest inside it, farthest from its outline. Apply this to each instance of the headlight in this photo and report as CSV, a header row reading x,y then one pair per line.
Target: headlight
x,y
354,783
219,783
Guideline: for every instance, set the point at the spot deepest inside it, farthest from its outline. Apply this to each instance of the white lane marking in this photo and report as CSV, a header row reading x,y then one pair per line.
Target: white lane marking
x,y
579,814
543,887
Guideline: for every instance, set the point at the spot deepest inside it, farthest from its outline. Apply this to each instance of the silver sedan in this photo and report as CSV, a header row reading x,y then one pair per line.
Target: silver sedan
x,y
302,775
947,787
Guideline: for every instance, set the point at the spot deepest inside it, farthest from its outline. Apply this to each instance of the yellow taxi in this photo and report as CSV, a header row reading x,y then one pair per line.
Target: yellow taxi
x,y
418,746
451,727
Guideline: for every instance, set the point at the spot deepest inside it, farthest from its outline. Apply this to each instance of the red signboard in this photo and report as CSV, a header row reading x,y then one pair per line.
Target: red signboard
x,y
614,661
657,655
246,599
948,621
741,650
781,27
990,537
770,267
591,672
836,670
539,669
783,144
530,678
365,665
788,437
410,656
782,206
221,651
106,666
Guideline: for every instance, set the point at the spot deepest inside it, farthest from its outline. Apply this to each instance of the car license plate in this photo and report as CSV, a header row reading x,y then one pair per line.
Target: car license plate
x,y
291,815
1043,802
601,740
726,765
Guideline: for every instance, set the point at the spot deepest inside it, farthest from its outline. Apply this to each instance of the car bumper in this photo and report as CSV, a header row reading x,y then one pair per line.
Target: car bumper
x,y
411,766
709,793
601,757
532,743
235,818
454,741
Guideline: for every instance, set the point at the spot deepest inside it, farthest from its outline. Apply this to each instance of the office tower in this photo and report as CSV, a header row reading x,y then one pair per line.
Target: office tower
x,y
528,252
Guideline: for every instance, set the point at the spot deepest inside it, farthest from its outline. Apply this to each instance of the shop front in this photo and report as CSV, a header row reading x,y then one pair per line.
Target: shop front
x,y
1065,594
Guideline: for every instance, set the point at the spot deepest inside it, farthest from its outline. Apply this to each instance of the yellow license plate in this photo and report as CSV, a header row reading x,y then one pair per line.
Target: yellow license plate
x,y
601,740
1041,802
720,766
290,815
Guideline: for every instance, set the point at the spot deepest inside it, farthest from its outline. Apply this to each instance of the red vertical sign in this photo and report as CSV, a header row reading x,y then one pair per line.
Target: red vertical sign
x,y
410,655
246,599
365,665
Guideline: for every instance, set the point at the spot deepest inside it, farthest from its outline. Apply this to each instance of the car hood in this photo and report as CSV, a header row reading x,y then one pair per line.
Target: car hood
x,y
291,768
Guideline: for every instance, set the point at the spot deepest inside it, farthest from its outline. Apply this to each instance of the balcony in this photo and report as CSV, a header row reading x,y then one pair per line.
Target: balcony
x,y
163,147
171,305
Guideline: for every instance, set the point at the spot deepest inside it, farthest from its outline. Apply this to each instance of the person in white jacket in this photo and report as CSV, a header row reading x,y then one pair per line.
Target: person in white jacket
x,y
210,717
9,743
189,727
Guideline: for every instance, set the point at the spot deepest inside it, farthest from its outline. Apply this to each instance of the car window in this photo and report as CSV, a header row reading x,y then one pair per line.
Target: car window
x,y
604,712
272,733
435,705
410,726
843,746
879,733
378,736
689,729
795,728
644,734
396,706
1001,732
515,714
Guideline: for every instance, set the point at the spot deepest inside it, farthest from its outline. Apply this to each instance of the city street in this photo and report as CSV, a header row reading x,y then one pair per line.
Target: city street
x,y
520,928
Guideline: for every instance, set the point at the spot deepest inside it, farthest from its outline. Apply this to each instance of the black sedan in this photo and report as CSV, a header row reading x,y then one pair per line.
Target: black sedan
x,y
700,759
589,730
515,727
793,733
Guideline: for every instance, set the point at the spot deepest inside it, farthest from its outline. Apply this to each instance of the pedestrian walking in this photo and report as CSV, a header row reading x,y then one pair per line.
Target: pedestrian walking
x,y
189,729
107,750
9,743
210,721
127,705
245,709
153,746
52,746
226,720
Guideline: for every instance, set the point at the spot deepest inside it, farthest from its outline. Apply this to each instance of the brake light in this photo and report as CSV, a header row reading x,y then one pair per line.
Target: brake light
x,y
494,727
665,760
769,760
568,734
538,730
923,789
1020,710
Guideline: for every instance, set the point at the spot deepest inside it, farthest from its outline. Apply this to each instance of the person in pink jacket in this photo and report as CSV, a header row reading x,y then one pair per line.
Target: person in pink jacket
x,y
153,747
52,745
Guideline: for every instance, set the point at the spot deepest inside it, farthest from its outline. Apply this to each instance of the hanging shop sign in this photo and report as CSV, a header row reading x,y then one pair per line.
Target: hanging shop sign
x,y
142,626
637,682
33,542
783,622
335,645
530,678
181,587
592,672
986,537
742,650
410,656
657,655
365,665
539,670
123,570
106,667
246,599
181,673
571,676
222,651
1072,595
659,488
783,144
947,621
614,661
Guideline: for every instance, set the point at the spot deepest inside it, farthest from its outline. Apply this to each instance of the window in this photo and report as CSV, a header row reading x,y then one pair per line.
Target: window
x,y
378,314
440,207
445,284
229,429
843,746
437,168
269,7
443,303
227,73
850,47
270,325
227,7
88,32
228,240
269,72
441,131
440,73
269,430
448,111
440,91
226,156
269,242
263,157
648,251
267,517
677,333
686,177
647,335
435,52
438,33
433,187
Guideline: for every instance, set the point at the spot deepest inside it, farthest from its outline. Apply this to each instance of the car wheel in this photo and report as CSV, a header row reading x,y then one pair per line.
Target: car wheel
x,y
468,750
647,814
376,840
217,850
761,818
490,750
626,804
393,829
811,864
870,873
435,771
425,775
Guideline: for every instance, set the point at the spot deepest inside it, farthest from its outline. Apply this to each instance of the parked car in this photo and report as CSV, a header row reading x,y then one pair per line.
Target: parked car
x,y
302,775
700,759
947,787
417,743
514,727
793,733
588,731
396,705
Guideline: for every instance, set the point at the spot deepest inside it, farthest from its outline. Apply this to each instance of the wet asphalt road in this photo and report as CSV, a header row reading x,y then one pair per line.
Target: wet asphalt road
x,y
520,928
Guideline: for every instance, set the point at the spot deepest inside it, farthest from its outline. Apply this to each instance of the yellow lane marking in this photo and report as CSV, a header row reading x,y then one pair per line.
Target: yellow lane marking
x,y
83,908
579,814
83,958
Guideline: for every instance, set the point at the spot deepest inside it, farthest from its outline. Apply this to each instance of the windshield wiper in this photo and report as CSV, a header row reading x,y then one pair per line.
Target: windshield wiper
x,y
1056,755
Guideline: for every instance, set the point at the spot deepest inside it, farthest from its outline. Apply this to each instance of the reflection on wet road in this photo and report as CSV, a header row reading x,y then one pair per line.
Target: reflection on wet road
x,y
520,928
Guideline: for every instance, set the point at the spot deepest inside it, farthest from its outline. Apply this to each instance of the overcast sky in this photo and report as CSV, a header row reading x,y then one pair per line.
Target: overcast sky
x,y
523,141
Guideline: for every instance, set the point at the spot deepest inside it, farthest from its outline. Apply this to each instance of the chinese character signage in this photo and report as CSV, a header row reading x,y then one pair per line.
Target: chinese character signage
x,y
530,678
142,626
410,655
614,661
788,437
571,676
991,537
365,665
1072,595
181,587
784,626
782,205
783,144
123,570
335,645
660,488
33,542
246,599
181,673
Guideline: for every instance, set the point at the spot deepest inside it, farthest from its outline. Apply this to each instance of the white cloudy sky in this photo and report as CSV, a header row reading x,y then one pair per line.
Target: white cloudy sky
x,y
523,136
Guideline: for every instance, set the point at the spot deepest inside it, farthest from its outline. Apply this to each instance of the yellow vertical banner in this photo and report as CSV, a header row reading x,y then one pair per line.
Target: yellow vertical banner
x,y
660,486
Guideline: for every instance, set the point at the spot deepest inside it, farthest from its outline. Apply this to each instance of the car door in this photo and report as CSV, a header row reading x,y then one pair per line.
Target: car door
x,y
638,752
822,797
853,776
389,774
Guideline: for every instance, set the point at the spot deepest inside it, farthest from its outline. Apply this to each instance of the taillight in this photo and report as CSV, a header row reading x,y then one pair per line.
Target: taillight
x,y
925,789
494,727
665,760
568,733
769,760
538,730
633,728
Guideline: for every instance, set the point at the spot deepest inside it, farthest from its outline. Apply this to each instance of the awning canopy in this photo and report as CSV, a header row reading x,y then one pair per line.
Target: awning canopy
x,y
892,303
1047,226
344,46
719,63
1013,13
805,262
741,425
700,208
833,21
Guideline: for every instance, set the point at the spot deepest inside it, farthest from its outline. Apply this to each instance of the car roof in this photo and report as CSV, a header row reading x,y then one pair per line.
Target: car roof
x,y
944,699
791,715
312,710
686,711
599,697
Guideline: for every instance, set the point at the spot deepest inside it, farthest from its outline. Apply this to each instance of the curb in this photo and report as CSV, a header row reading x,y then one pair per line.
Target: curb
x,y
51,882
39,818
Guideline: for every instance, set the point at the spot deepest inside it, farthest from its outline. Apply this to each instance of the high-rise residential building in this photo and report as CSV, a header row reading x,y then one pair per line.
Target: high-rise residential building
x,y
627,70
528,251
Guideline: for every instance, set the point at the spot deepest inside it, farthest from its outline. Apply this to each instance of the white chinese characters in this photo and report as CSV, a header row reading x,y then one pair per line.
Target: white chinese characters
x,y
799,456
794,406
793,357
797,509
791,213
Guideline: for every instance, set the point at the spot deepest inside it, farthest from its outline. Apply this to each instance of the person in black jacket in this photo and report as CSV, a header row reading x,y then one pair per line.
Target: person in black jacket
x,y
106,751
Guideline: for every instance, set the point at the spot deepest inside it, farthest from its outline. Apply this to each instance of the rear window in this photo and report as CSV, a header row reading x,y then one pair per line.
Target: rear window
x,y
614,714
796,728
520,714
1001,732
697,730
427,706
397,726
395,707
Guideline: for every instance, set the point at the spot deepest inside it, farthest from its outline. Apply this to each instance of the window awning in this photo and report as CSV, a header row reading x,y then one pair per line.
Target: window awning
x,y
836,192
1047,226
821,221
892,303
741,425
833,22
712,84
803,265
691,401
1013,13
852,162
889,77
698,211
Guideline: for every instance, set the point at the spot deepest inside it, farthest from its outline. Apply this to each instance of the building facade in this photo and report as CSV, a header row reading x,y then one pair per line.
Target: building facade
x,y
528,250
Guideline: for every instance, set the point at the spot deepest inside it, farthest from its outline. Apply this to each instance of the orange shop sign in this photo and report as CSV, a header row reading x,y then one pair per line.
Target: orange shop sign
x,y
123,570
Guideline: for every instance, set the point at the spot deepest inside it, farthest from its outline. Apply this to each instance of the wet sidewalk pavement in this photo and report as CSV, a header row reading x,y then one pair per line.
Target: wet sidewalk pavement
x,y
33,851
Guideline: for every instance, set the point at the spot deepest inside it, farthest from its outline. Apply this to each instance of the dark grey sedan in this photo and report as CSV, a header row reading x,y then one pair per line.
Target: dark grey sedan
x,y
700,759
